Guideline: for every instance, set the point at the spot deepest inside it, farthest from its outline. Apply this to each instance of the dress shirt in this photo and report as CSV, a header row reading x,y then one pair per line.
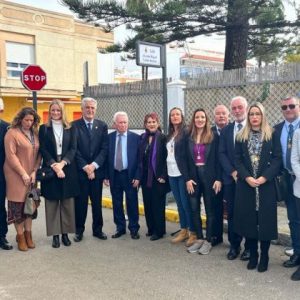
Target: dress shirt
x,y
87,126
236,129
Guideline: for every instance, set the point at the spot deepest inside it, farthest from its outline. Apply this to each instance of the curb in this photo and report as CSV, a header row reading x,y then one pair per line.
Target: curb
x,y
172,216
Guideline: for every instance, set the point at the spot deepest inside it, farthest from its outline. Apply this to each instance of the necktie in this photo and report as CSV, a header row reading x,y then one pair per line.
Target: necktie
x,y
89,128
119,160
239,126
289,147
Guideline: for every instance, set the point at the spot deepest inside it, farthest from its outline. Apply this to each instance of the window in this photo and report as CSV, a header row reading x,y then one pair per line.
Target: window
x,y
18,56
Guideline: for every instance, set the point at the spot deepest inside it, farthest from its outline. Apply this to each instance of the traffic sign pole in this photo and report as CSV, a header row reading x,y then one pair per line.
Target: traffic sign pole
x,y
34,100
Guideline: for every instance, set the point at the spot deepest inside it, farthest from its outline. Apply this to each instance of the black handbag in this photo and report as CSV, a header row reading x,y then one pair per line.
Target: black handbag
x,y
281,187
44,174
32,201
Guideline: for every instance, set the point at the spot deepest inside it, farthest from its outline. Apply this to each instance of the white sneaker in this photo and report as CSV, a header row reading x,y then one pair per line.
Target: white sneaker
x,y
289,251
205,249
195,247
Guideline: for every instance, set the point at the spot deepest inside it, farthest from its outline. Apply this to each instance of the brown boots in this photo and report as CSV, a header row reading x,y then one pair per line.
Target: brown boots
x,y
25,241
22,245
29,241
181,236
191,240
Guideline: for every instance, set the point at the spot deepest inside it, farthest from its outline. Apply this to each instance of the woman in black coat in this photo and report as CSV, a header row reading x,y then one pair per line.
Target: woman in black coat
x,y
58,147
203,177
153,155
257,159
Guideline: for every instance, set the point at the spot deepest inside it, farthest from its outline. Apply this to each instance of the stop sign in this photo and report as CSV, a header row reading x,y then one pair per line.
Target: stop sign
x,y
33,78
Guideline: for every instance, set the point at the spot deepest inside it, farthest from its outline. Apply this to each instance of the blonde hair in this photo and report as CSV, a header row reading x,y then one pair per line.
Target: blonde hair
x,y
266,129
61,105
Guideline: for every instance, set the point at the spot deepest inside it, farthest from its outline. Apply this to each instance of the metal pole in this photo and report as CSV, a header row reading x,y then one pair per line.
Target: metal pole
x,y
34,100
165,96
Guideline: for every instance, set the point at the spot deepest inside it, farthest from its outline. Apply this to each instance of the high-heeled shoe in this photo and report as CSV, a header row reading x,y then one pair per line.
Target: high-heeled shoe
x,y
65,239
55,241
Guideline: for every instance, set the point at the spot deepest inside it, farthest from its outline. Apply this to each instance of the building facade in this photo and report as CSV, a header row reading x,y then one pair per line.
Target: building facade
x,y
56,42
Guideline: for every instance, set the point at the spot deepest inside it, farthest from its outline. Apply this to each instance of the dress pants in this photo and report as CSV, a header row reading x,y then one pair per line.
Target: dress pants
x,y
229,196
123,184
202,189
92,189
154,199
60,216
3,214
293,214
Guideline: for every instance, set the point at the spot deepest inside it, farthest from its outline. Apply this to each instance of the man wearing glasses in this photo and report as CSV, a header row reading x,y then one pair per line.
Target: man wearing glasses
x,y
285,131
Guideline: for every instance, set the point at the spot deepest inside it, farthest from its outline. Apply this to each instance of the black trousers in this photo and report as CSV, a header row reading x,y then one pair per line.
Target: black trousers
x,y
154,205
217,231
264,247
89,189
3,214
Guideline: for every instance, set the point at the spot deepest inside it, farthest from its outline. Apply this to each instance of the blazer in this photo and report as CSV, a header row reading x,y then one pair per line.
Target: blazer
x,y
226,153
246,218
91,148
59,188
212,165
133,141
295,161
3,130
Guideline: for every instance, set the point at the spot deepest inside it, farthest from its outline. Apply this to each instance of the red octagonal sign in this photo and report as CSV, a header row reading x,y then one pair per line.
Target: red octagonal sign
x,y
33,78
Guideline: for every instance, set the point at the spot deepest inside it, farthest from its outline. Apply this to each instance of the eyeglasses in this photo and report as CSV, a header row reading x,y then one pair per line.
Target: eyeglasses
x,y
290,106
257,114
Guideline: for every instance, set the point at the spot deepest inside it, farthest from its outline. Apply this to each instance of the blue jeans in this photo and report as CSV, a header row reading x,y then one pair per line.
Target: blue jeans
x,y
293,214
179,191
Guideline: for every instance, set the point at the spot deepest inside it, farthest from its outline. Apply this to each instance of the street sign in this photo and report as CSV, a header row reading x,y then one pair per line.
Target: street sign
x,y
150,55
33,78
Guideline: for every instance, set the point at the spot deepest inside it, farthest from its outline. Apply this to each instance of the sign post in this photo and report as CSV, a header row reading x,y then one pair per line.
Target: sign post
x,y
34,78
154,55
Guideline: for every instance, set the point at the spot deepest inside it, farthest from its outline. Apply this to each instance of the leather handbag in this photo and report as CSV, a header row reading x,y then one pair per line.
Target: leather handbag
x,y
281,188
32,200
44,174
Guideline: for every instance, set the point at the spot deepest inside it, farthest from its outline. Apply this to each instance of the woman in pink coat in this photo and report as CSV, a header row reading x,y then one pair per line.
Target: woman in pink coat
x,y
21,163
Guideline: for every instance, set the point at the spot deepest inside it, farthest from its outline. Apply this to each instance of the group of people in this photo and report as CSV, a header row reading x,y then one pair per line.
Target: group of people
x,y
234,163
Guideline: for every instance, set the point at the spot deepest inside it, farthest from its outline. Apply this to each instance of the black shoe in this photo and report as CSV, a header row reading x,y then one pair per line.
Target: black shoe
x,y
100,235
118,234
252,262
65,239
4,244
155,237
245,255
233,253
78,237
296,275
135,235
216,241
292,262
263,263
55,242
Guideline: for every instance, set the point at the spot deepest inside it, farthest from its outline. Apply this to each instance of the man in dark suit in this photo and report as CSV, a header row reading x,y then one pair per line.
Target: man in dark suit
x,y
221,116
92,146
238,107
284,131
123,175
4,244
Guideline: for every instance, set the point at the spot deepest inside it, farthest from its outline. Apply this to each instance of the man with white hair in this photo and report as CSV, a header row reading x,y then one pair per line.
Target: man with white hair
x,y
123,175
238,107
4,244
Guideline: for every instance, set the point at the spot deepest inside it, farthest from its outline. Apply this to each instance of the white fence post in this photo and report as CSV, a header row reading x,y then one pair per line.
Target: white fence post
x,y
176,94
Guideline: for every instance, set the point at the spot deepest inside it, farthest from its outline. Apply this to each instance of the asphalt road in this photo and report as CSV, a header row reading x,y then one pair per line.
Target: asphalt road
x,y
135,269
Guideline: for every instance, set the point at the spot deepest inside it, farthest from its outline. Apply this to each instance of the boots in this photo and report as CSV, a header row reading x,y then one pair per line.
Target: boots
x,y
181,236
253,246
29,241
264,256
191,240
22,245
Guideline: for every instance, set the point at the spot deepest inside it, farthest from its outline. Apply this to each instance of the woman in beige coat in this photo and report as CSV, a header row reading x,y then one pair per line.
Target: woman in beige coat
x,y
21,163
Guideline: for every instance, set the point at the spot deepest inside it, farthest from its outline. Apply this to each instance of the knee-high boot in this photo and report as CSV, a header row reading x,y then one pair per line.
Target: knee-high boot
x,y
264,256
253,254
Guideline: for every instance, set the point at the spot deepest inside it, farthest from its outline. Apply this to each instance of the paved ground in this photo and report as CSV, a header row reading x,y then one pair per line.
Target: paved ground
x,y
135,269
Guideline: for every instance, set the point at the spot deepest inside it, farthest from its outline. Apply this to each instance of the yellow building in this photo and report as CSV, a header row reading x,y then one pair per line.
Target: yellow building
x,y
59,44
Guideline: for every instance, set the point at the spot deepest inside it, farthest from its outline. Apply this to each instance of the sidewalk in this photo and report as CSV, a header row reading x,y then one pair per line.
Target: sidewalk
x,y
172,216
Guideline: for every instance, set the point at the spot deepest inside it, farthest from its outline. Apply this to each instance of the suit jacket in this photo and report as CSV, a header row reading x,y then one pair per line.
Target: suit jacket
x,y
245,215
226,153
212,165
295,162
91,148
133,141
3,130
59,188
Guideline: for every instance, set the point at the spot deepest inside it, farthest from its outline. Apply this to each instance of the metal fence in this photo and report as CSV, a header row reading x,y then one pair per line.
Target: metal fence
x,y
267,85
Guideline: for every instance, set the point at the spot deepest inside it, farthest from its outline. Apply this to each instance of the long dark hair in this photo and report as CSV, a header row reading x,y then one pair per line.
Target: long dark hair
x,y
16,123
171,128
